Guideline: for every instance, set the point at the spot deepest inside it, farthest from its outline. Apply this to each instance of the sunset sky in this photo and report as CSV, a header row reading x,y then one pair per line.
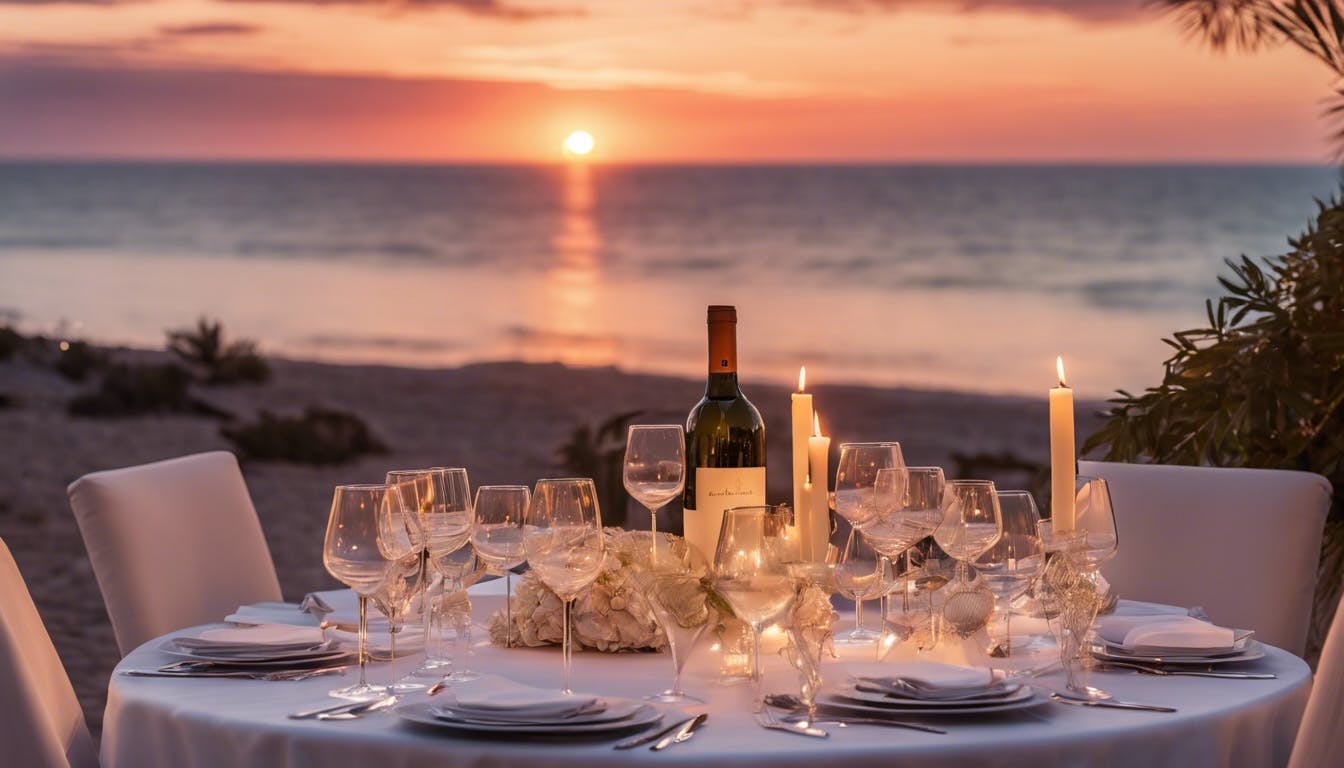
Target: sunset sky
x,y
652,80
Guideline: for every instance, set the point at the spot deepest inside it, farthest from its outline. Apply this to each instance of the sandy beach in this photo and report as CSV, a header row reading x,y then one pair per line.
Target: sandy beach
x,y
503,421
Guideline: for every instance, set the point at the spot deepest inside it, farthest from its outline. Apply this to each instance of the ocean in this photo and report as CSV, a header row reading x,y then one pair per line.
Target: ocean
x,y
969,278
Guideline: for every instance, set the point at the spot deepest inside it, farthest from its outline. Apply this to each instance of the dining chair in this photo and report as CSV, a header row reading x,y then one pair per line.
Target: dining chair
x,y
41,724
1242,543
1320,737
173,544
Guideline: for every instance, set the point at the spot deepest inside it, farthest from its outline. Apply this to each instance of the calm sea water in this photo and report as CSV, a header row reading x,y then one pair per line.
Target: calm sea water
x,y
937,276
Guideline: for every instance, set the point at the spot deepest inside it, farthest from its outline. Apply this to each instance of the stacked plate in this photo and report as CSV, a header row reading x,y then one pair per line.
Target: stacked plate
x,y
260,646
1173,640
496,705
927,688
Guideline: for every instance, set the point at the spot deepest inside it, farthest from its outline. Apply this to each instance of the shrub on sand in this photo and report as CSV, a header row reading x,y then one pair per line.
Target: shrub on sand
x,y
137,390
216,361
319,436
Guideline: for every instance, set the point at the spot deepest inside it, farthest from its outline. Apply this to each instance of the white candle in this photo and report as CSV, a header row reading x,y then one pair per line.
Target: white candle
x,y
818,531
802,427
1062,455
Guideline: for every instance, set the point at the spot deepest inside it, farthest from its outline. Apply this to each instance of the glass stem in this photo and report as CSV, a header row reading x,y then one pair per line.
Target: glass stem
x,y
1007,628
565,644
757,676
392,640
886,593
508,608
858,615
363,637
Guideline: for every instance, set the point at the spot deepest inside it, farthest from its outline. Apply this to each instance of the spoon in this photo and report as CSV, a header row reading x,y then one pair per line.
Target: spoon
x,y
359,710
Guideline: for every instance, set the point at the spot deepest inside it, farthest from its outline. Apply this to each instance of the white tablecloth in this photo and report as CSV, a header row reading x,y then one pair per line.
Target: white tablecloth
x,y
214,722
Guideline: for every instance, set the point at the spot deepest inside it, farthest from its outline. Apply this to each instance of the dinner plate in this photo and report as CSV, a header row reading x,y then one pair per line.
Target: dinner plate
x,y
1009,692
620,709
1239,645
292,662
422,713
1025,698
1252,650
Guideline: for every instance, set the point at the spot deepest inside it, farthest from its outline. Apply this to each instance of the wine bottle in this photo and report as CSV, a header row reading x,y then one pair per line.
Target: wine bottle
x,y
725,442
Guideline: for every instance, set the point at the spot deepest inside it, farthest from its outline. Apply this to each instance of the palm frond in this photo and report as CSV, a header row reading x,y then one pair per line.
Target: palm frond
x,y
1241,24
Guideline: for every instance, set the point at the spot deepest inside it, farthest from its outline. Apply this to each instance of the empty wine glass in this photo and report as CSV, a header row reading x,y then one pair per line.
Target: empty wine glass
x,y
654,470
679,604
1094,516
971,522
908,507
358,551
562,537
856,475
751,571
447,523
393,599
452,611
497,537
1014,561
859,574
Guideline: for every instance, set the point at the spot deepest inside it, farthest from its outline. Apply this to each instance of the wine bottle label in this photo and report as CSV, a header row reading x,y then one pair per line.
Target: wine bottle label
x,y
717,489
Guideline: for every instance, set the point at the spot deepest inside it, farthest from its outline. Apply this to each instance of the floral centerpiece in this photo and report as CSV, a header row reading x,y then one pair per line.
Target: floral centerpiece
x,y
614,614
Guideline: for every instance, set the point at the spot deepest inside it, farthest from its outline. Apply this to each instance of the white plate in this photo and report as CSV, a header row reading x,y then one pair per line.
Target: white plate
x,y
422,713
616,709
1025,698
1239,645
1009,692
1253,650
285,661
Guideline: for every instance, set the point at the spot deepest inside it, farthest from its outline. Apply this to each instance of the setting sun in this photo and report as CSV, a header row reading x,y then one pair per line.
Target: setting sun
x,y
579,143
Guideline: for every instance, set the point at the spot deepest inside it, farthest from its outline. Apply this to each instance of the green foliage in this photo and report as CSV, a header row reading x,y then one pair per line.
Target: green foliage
x,y
319,436
599,453
204,349
1263,384
136,390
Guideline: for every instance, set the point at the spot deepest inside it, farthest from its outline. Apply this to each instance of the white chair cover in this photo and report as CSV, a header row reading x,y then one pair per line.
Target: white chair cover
x,y
41,724
1320,738
173,544
1243,543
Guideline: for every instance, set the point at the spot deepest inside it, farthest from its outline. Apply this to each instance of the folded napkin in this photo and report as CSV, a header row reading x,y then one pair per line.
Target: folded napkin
x,y
493,695
271,613
924,675
1178,632
273,637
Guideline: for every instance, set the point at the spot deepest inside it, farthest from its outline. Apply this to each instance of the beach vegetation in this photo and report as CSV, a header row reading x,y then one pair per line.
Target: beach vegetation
x,y
138,389
216,360
11,342
77,359
319,436
599,452
1261,385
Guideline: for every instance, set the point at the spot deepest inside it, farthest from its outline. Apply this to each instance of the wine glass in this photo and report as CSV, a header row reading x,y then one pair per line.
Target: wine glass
x,y
856,475
908,507
654,470
679,604
408,578
452,611
971,522
751,571
356,552
1095,517
562,537
1014,561
497,537
859,574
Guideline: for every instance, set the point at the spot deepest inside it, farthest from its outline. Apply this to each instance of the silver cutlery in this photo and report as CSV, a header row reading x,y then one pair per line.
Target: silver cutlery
x,y
359,710
285,674
335,709
685,732
645,738
1165,672
1107,703
797,712
768,721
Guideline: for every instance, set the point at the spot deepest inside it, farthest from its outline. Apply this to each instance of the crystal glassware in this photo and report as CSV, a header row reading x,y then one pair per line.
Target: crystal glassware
x,y
1014,561
447,521
452,612
360,544
908,504
751,571
654,468
860,573
971,522
856,475
497,537
562,537
672,589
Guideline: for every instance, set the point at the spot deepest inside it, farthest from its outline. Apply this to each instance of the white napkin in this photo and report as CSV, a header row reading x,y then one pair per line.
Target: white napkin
x,y
1178,632
257,637
930,675
271,613
495,695
409,639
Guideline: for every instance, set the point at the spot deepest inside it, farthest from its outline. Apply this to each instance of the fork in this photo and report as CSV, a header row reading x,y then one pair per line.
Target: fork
x,y
766,720
1147,670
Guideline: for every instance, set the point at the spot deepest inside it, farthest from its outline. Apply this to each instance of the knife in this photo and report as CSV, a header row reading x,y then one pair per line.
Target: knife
x,y
1110,704
686,731
645,738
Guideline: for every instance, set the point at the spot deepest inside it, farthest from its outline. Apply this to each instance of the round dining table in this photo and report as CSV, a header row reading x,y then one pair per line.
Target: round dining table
x,y
231,723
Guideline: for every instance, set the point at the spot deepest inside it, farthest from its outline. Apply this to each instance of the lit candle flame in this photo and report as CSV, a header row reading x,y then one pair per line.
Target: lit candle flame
x,y
816,424
802,377
1059,366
